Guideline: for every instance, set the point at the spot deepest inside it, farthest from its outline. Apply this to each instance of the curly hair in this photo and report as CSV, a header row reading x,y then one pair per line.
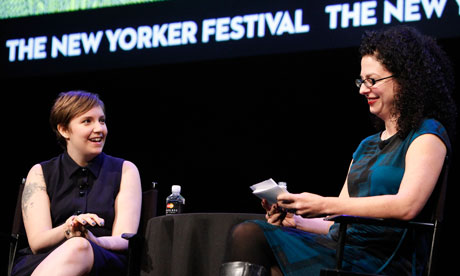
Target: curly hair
x,y
423,73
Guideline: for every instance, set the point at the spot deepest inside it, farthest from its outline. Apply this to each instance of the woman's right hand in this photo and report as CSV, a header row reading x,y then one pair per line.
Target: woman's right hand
x,y
76,225
277,217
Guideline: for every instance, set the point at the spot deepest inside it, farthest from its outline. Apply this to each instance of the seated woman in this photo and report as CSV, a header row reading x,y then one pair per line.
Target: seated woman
x,y
407,82
76,206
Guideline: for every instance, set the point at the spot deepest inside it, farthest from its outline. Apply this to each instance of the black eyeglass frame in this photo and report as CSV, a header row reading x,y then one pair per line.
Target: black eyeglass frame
x,y
373,81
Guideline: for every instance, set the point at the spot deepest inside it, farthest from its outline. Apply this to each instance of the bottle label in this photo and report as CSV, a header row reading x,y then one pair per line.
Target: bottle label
x,y
173,208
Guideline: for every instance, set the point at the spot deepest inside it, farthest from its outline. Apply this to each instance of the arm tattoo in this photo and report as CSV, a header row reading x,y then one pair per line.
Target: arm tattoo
x,y
29,190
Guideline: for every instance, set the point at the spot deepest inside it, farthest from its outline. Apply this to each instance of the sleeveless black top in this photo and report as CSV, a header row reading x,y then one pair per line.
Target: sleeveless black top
x,y
75,190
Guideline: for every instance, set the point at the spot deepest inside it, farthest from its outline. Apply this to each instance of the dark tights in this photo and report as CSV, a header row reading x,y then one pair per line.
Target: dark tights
x,y
248,244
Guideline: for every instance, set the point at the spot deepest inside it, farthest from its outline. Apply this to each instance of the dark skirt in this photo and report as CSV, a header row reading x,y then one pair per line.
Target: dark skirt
x,y
106,262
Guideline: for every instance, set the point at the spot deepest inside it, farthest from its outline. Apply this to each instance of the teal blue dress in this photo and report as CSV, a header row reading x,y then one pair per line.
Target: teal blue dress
x,y
377,169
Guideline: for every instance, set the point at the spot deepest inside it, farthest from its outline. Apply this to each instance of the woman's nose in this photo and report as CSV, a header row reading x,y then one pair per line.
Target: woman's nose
x,y
363,90
98,127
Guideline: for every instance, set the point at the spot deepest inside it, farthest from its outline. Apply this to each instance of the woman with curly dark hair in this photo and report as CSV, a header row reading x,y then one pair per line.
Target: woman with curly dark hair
x,y
423,74
407,81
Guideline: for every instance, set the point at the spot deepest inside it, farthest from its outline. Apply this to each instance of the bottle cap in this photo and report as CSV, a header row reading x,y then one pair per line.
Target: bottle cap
x,y
283,185
175,189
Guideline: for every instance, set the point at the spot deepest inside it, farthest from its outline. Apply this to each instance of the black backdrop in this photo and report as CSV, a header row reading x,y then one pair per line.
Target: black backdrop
x,y
213,127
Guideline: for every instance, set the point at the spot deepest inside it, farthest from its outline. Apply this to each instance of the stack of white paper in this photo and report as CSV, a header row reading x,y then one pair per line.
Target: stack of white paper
x,y
268,190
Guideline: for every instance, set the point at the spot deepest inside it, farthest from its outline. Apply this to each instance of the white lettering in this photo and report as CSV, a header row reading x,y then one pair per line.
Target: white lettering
x,y
286,25
74,45
159,37
251,20
144,37
112,37
58,46
411,10
91,42
171,34
174,34
208,29
299,26
362,14
237,28
128,39
40,47
70,44
35,48
222,29
368,13
273,23
333,11
348,15
189,30
12,44
261,25
26,49
434,6
392,11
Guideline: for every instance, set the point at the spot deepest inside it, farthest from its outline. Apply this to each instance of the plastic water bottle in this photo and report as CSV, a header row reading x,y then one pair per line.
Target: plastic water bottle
x,y
175,202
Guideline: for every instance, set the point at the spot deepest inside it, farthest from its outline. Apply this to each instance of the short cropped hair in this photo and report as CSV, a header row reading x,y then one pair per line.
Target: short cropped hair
x,y
69,105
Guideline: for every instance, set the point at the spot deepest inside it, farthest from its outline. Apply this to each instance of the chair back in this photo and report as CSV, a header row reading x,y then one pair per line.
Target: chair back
x,y
18,223
17,230
136,248
149,208
439,197
441,192
430,219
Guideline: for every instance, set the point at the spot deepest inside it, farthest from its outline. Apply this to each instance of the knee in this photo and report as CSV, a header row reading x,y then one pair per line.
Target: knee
x,y
78,247
73,257
245,231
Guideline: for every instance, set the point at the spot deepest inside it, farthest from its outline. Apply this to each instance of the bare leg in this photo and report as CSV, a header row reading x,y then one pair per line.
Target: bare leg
x,y
74,257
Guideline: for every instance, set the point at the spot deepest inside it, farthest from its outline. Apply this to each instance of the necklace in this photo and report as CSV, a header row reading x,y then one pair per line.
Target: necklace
x,y
385,135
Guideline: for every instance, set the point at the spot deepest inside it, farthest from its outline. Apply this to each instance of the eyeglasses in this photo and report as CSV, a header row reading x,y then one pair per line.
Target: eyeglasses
x,y
369,82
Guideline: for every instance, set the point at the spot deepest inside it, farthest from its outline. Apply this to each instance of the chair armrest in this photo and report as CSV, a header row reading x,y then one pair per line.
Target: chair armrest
x,y
378,221
344,220
134,253
129,236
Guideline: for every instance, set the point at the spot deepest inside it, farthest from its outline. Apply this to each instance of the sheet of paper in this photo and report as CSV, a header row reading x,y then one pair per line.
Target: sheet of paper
x,y
268,190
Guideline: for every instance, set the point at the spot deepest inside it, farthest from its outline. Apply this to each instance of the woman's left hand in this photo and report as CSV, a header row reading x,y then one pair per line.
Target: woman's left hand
x,y
307,205
77,225
280,218
73,228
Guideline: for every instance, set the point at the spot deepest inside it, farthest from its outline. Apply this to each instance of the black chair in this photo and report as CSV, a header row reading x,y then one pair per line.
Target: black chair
x,y
18,238
136,241
437,200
